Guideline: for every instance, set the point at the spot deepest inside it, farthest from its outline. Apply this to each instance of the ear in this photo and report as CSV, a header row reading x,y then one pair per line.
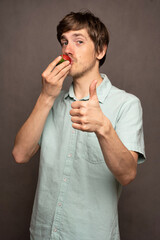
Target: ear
x,y
101,54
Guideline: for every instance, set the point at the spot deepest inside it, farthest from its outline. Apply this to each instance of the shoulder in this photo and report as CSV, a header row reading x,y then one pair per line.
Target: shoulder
x,y
128,103
122,96
115,95
123,100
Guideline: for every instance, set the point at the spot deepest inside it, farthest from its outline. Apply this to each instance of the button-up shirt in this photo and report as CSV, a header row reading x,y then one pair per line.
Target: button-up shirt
x,y
77,195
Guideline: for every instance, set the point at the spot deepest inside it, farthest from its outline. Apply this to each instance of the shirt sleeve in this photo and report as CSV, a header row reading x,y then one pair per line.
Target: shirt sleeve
x,y
129,127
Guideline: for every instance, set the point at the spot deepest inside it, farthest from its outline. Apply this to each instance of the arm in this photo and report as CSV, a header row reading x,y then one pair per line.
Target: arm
x,y
121,161
88,116
26,141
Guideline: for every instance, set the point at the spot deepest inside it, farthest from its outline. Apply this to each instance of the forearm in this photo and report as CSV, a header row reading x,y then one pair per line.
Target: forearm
x,y
118,158
26,141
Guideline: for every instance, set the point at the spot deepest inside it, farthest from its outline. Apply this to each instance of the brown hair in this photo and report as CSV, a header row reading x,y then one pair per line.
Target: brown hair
x,y
96,29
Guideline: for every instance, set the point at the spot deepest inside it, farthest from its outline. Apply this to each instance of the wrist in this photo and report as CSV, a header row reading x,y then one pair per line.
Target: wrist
x,y
46,100
105,128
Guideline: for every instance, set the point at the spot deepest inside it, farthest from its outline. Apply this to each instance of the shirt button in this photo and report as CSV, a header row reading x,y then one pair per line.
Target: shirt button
x,y
65,179
55,230
70,155
59,204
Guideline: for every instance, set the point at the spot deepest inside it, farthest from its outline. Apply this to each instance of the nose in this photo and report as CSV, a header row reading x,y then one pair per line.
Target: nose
x,y
68,49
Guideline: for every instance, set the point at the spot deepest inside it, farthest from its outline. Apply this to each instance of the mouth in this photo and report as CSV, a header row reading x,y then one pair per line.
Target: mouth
x,y
71,60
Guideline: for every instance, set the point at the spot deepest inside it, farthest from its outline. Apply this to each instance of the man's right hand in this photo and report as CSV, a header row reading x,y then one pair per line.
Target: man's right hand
x,y
26,142
53,77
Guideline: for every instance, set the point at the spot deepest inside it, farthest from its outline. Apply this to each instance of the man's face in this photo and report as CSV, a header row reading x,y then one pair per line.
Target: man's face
x,y
80,48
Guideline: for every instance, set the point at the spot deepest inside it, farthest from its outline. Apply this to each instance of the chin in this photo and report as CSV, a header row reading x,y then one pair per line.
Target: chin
x,y
73,74
76,74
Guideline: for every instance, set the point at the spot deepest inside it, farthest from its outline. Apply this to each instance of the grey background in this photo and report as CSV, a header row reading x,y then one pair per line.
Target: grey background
x,y
27,45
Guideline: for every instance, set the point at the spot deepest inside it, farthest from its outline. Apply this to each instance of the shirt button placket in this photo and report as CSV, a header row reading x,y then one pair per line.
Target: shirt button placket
x,y
66,176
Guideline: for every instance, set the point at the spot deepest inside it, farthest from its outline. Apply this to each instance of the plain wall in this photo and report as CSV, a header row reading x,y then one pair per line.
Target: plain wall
x,y
27,45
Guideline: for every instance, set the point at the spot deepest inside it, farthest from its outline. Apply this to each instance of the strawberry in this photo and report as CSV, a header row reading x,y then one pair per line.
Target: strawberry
x,y
64,58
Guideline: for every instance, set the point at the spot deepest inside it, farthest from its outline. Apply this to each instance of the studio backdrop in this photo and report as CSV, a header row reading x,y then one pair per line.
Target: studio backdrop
x,y
27,45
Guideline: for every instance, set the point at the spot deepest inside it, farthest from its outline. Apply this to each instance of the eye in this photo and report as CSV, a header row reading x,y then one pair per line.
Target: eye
x,y
79,41
64,43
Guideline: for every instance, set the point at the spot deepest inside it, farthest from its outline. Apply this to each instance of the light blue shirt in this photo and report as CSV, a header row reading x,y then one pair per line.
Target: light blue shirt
x,y
77,195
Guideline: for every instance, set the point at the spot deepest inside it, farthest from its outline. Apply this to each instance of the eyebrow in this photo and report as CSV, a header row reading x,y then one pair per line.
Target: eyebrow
x,y
74,35
79,35
62,38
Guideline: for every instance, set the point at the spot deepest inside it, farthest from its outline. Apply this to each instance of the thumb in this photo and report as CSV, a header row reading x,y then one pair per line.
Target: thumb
x,y
92,89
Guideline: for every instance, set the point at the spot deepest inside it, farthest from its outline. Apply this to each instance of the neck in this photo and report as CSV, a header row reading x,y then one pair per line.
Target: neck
x,y
81,84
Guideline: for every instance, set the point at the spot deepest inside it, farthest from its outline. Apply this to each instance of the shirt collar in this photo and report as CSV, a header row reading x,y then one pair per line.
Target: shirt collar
x,y
102,90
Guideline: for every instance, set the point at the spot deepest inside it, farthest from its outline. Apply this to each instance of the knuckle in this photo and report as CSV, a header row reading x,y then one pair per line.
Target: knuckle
x,y
85,104
51,81
84,121
47,79
43,75
72,112
84,128
73,120
73,104
82,112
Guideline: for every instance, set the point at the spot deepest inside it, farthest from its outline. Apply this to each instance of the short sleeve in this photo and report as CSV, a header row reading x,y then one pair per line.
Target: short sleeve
x,y
129,127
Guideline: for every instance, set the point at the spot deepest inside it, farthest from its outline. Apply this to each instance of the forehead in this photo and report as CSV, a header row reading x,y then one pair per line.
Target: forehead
x,y
76,33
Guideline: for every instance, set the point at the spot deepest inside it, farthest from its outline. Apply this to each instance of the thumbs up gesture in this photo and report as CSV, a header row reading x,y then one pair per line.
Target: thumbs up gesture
x,y
87,115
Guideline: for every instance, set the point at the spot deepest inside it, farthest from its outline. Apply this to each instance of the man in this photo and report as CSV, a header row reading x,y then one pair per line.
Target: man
x,y
91,139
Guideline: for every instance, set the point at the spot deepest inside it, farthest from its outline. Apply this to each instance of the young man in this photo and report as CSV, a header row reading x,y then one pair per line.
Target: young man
x,y
91,139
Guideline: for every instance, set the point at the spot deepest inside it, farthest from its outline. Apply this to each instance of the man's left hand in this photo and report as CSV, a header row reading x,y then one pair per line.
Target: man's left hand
x,y
87,115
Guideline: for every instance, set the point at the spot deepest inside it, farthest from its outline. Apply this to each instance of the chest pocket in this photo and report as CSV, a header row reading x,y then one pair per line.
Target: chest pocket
x,y
93,152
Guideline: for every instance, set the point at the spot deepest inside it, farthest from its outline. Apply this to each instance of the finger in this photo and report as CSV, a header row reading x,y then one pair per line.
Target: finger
x,y
79,126
60,70
92,89
66,64
60,75
78,104
76,119
74,112
50,67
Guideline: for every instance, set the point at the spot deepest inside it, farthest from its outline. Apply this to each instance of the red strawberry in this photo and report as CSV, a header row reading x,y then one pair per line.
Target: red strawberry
x,y
64,58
